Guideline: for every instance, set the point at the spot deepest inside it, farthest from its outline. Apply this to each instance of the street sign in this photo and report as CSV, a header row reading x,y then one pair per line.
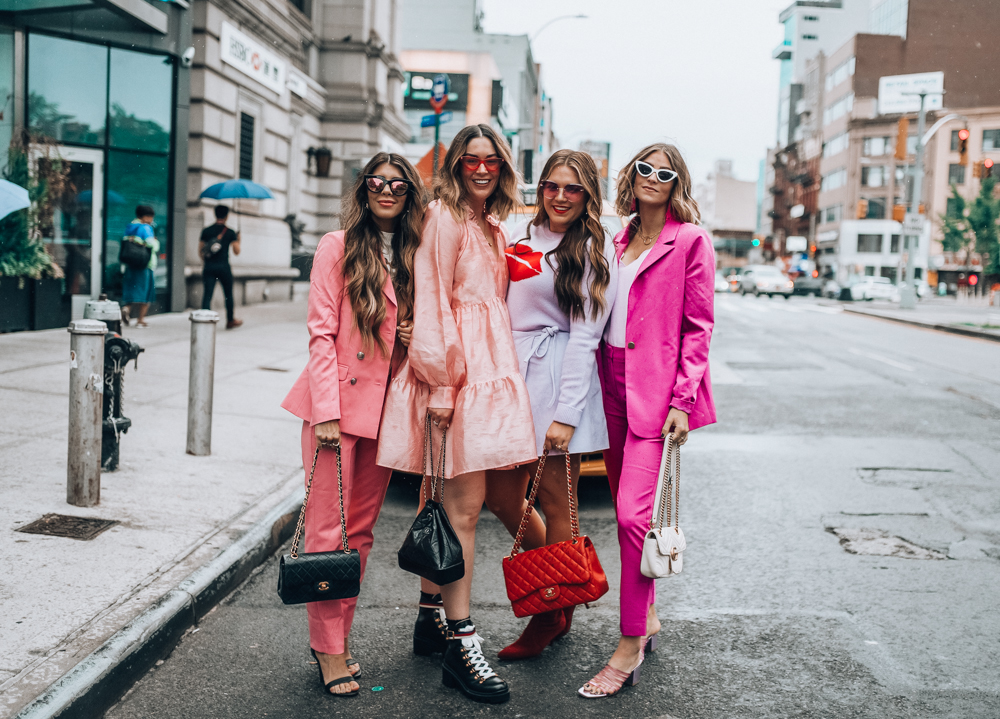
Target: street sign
x,y
439,90
428,120
899,93
796,243
913,224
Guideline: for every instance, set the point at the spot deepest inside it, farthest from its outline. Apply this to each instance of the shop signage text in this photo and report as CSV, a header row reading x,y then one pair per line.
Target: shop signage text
x,y
251,58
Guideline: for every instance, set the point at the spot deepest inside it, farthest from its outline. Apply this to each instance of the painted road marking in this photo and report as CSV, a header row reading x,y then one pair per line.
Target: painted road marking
x,y
883,360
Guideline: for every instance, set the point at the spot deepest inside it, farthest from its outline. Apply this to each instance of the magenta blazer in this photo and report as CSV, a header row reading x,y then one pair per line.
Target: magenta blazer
x,y
342,380
669,328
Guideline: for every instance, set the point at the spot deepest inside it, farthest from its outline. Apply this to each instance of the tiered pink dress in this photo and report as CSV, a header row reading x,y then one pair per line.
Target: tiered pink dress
x,y
461,356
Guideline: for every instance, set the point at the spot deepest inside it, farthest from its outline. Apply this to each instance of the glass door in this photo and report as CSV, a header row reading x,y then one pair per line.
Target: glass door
x,y
74,235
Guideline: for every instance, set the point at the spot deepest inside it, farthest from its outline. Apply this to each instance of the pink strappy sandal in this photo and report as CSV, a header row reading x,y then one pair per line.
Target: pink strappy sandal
x,y
609,680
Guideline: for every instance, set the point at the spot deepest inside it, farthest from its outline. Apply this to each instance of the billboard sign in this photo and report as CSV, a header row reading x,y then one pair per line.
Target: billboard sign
x,y
897,93
418,89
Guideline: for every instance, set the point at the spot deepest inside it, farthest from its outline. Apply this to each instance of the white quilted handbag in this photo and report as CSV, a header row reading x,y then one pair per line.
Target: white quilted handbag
x,y
663,548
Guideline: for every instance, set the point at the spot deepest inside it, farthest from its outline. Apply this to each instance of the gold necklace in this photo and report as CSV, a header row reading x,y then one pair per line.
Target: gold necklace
x,y
651,237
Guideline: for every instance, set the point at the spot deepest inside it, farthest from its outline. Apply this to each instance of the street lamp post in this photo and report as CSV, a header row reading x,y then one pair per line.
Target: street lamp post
x,y
538,32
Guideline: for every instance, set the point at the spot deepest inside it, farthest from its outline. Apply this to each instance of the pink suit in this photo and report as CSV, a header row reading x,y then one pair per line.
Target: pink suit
x,y
347,382
664,364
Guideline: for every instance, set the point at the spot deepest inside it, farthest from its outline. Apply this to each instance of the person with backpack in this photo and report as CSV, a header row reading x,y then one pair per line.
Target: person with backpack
x,y
214,250
137,255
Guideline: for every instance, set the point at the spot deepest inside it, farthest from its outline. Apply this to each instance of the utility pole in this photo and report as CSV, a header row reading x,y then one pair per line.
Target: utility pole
x,y
908,295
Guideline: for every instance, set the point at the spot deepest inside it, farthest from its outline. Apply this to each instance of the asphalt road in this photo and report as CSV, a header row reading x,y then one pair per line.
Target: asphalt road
x,y
843,523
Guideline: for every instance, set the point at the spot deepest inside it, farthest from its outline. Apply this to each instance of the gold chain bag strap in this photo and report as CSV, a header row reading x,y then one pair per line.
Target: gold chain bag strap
x,y
318,576
431,548
663,547
558,575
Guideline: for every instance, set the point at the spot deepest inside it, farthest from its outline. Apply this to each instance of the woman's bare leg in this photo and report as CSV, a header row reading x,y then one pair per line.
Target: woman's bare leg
x,y
505,492
463,500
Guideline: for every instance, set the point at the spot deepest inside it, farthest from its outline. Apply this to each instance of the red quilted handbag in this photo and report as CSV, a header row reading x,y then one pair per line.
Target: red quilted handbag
x,y
559,575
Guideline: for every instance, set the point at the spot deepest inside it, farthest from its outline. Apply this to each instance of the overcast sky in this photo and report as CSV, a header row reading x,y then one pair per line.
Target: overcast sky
x,y
697,73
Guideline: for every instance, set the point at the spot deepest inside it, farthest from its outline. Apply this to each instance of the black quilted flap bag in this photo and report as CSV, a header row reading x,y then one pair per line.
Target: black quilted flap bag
x,y
318,576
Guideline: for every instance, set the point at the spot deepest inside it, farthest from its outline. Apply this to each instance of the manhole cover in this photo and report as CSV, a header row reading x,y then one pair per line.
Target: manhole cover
x,y
772,366
877,543
62,525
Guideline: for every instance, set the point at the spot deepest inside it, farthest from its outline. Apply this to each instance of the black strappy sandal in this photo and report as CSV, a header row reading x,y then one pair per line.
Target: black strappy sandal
x,y
334,682
352,662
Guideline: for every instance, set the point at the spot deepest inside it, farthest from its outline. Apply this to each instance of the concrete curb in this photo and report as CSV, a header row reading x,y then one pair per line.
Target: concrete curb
x,y
91,687
952,329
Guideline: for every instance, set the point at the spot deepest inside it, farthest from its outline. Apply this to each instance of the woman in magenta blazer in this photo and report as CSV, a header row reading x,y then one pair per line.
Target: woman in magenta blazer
x,y
653,364
360,302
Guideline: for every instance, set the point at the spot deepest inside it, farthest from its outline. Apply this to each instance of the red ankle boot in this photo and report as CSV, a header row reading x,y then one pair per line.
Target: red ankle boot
x,y
568,613
541,630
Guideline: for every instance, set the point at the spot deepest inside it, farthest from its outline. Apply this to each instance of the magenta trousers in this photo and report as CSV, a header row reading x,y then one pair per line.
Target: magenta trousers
x,y
632,463
365,485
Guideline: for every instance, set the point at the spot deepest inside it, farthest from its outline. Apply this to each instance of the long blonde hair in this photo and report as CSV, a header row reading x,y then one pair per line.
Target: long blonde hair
x,y
363,270
450,188
681,204
572,251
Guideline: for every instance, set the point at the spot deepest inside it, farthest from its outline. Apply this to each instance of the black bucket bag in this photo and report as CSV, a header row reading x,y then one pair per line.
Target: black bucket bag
x,y
431,548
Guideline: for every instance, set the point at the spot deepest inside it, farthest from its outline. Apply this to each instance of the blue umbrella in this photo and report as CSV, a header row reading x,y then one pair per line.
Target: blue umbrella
x,y
237,189
12,198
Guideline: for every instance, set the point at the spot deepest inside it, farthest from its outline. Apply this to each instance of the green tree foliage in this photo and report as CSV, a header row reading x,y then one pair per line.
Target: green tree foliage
x,y
973,227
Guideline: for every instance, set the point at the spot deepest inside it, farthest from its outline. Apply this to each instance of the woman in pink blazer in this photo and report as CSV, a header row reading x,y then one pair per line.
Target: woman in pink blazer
x,y
653,364
360,301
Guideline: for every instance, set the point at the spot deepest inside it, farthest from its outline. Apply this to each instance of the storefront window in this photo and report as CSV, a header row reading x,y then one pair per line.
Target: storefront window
x,y
67,89
139,101
6,94
136,179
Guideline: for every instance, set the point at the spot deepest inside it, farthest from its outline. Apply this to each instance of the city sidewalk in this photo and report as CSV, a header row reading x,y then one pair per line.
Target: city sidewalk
x,y
945,314
63,598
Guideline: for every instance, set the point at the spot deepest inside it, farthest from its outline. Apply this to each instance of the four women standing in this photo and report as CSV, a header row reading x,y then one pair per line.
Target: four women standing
x,y
631,311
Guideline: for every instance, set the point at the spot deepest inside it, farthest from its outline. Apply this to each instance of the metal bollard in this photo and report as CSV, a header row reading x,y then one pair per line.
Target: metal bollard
x,y
86,398
200,382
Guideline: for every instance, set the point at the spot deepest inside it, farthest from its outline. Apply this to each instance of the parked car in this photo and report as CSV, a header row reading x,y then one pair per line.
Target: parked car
x,y
874,288
721,283
831,289
765,280
808,285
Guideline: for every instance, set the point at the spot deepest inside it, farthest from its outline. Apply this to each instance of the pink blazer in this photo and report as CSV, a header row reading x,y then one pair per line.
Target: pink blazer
x,y
342,380
669,328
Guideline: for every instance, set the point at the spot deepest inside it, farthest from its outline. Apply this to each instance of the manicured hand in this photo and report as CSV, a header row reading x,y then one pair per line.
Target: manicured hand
x,y
328,432
677,423
441,417
404,330
558,436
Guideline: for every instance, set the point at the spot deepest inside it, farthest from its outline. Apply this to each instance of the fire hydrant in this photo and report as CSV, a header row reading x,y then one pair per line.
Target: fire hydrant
x,y
118,352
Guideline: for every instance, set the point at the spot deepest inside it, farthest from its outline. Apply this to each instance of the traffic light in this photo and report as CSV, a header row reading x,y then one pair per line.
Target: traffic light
x,y
862,209
899,212
755,242
973,279
901,136
987,167
963,146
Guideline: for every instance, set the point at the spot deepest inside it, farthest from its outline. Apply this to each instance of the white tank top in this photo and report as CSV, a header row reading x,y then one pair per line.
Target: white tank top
x,y
614,333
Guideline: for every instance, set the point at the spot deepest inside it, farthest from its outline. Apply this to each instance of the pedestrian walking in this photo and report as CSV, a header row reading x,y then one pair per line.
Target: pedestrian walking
x,y
214,245
654,372
558,299
139,283
360,311
462,369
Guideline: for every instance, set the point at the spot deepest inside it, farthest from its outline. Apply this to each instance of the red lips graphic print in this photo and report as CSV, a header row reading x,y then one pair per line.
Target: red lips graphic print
x,y
523,262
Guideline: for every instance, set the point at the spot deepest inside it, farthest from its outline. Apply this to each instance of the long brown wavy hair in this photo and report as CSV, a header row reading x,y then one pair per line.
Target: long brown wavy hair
x,y
363,269
585,239
682,205
450,188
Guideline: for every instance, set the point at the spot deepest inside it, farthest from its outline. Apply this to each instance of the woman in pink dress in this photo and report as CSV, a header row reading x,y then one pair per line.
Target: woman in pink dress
x,y
462,370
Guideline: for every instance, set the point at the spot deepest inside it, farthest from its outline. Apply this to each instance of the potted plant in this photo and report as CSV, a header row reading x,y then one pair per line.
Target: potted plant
x,y
31,283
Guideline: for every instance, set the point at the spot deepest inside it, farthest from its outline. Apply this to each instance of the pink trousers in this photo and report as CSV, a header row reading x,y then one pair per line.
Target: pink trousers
x,y
365,485
632,463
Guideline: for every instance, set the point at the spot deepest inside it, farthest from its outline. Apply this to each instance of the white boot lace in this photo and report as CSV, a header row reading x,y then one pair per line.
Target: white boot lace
x,y
474,651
